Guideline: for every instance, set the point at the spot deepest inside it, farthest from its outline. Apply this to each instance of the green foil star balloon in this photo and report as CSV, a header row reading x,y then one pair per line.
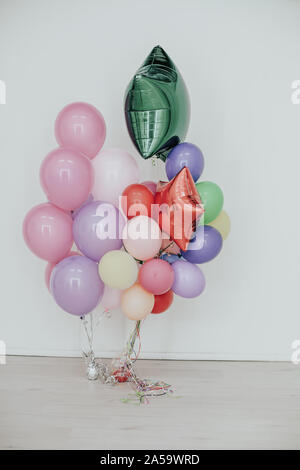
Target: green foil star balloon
x,y
157,107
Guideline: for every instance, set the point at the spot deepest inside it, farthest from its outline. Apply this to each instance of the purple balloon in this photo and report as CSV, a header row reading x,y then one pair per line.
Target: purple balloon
x,y
189,280
76,285
171,258
97,229
75,212
206,245
185,155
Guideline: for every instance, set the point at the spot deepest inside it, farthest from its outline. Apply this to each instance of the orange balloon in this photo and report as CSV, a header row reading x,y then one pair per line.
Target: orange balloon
x,y
136,302
137,199
162,302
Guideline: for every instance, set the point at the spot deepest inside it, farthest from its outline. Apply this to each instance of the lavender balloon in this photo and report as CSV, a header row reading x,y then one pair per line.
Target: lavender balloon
x,y
189,280
185,155
97,229
76,285
206,245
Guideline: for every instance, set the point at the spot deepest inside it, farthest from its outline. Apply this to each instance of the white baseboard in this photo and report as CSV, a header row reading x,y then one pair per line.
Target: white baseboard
x,y
187,356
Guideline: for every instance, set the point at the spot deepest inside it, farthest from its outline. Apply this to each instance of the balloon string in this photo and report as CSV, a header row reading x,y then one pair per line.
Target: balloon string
x,y
94,369
125,372
162,250
89,334
132,340
143,388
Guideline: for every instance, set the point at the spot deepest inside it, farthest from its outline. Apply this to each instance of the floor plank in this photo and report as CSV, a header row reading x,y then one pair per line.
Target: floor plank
x,y
47,403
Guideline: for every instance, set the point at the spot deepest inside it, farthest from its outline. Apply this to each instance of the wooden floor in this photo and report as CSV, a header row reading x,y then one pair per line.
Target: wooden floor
x,y
47,403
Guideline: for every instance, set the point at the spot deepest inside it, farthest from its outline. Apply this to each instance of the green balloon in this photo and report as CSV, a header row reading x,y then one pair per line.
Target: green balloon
x,y
157,107
212,198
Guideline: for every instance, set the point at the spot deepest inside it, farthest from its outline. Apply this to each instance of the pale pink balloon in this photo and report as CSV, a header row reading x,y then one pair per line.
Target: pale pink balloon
x,y
156,276
80,126
48,271
151,186
136,302
169,246
47,231
67,178
111,298
50,266
142,237
115,169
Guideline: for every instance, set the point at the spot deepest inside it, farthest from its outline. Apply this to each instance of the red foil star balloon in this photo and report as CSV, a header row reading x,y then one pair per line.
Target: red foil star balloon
x,y
179,208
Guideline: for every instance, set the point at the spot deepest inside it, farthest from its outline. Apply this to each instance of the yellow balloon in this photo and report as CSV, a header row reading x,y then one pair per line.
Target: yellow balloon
x,y
222,224
118,269
136,302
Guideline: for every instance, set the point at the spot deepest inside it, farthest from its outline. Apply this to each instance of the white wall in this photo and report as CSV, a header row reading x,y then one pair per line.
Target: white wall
x,y
238,60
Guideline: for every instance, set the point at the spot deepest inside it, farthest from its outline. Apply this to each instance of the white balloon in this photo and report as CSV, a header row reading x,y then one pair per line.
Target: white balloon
x,y
115,169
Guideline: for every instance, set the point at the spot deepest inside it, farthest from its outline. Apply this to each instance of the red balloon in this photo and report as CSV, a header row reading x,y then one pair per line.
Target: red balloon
x,y
137,200
121,375
180,207
162,302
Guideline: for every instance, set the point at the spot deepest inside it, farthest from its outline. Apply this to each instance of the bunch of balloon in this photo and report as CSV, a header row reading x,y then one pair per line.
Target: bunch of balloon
x,y
67,178
185,216
137,244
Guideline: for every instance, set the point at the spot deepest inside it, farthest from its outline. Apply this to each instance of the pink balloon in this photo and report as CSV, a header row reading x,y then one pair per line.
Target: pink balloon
x,y
142,237
151,186
81,127
47,231
50,266
111,298
115,169
67,178
156,276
